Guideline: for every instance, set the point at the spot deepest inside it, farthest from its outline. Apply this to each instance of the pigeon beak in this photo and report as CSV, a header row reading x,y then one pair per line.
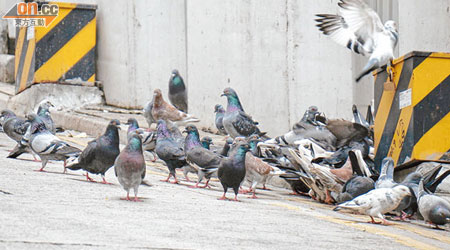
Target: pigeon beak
x,y
184,131
211,143
222,95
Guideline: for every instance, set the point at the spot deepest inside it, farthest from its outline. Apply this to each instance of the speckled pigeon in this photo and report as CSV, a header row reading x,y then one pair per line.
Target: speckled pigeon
x,y
178,92
47,145
205,161
129,166
99,155
169,150
220,113
236,121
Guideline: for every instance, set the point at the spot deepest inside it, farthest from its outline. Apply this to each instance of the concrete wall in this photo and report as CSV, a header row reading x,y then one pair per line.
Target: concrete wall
x,y
269,51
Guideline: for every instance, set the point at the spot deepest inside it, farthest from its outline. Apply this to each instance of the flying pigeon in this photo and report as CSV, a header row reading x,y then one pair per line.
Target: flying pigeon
x,y
434,209
177,92
147,112
231,171
129,166
44,113
207,142
164,111
359,28
100,154
235,121
169,150
220,112
205,161
386,179
47,145
377,202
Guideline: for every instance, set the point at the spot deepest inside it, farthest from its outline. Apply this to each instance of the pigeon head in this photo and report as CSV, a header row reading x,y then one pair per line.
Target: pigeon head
x,y
133,124
175,72
218,109
6,113
253,141
242,148
157,98
44,108
233,100
115,122
402,190
413,177
191,129
391,26
229,141
206,142
192,138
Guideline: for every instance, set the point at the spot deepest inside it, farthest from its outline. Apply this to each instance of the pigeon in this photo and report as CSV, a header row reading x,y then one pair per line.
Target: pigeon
x,y
47,145
358,118
359,28
386,179
377,202
162,110
434,209
354,187
206,142
231,171
44,113
100,154
177,92
205,161
226,147
235,121
147,112
408,205
347,132
220,112
169,150
148,137
133,125
129,166
15,127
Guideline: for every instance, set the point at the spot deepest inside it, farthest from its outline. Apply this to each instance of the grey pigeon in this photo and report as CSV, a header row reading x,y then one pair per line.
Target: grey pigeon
x,y
15,127
220,113
169,150
129,166
47,145
226,147
377,202
235,121
359,28
133,125
408,205
205,161
100,154
386,179
147,112
207,142
44,113
177,92
358,117
354,187
434,209
231,171
148,137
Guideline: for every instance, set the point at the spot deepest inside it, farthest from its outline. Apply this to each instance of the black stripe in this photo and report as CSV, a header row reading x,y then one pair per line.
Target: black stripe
x,y
420,57
394,113
23,53
378,88
408,144
431,109
61,34
83,69
446,156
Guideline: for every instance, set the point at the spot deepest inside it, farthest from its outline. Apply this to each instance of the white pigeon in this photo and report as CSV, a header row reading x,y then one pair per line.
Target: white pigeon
x,y
377,202
359,28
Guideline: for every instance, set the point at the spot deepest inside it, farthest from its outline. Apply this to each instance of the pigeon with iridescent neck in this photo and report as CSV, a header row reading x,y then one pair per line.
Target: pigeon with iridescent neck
x,y
129,166
178,92
44,113
169,150
205,161
220,113
207,142
236,122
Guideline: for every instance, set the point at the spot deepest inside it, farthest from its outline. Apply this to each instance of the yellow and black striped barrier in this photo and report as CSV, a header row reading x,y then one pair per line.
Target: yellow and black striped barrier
x,y
65,50
412,122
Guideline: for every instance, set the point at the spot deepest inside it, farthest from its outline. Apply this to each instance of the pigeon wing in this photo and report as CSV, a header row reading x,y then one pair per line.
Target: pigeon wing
x,y
244,124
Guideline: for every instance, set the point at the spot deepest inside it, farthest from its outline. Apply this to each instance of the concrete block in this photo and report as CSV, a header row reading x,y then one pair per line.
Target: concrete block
x,y
62,96
7,68
3,36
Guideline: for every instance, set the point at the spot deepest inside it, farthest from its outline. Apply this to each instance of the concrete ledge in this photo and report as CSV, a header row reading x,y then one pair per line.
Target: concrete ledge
x,y
7,68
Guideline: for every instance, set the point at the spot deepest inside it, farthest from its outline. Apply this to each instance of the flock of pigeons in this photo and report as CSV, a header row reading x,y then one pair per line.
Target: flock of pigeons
x,y
330,160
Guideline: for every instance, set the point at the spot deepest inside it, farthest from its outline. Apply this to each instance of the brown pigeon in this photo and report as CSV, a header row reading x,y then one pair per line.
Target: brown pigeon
x,y
164,111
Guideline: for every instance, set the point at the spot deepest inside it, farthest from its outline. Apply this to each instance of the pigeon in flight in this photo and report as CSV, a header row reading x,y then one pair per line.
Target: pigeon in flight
x,y
359,28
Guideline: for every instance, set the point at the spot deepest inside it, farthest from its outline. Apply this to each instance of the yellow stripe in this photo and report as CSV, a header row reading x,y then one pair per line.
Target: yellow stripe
x,y
434,143
68,55
384,107
429,74
63,12
404,240
27,65
19,47
92,78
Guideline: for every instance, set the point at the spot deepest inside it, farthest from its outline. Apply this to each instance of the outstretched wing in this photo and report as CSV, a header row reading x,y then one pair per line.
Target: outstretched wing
x,y
354,27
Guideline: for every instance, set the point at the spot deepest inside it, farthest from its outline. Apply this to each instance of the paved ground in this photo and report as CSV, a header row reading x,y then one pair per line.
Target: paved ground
x,y
53,210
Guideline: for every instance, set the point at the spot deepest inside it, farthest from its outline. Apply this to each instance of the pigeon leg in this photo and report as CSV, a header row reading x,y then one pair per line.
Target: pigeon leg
x,y
373,221
44,163
176,180
136,199
128,196
254,195
166,180
235,198
253,187
35,159
89,178
265,188
65,163
104,181
154,156
328,198
223,197
206,184
196,185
